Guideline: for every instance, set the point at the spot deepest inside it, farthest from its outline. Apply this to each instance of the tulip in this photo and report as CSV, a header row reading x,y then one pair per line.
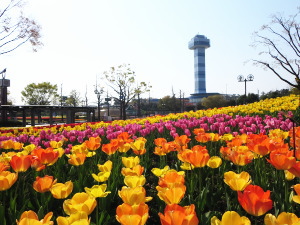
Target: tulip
x,y
254,200
230,218
172,195
171,178
47,156
198,156
4,166
20,163
7,179
77,159
130,162
132,214
93,143
134,181
80,202
97,191
61,190
295,169
78,218
237,182
296,198
283,218
214,162
177,215
282,159
134,195
181,142
134,171
102,176
43,184
160,172
109,148
106,167
37,164
138,146
241,158
30,217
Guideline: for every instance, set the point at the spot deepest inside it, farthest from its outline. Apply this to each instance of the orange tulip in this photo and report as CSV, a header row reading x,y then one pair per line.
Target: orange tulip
x,y
4,166
109,148
181,142
77,159
133,196
171,178
7,144
7,179
47,156
240,155
203,137
295,169
37,164
254,200
80,202
30,217
162,146
20,163
134,171
124,141
43,184
177,215
198,156
132,214
172,195
61,190
282,159
93,143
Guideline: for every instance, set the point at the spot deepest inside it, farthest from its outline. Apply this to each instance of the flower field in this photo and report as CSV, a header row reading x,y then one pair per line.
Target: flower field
x,y
233,165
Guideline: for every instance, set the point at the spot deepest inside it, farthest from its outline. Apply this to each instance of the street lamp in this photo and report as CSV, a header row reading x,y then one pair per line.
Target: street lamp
x,y
241,78
98,93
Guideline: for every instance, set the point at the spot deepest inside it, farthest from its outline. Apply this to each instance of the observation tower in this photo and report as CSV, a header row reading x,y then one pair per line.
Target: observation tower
x,y
199,43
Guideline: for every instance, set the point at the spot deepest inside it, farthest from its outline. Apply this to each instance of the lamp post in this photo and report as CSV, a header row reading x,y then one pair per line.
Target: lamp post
x,y
241,78
98,93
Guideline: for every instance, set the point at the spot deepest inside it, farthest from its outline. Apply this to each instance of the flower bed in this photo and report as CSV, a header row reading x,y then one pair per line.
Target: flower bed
x,y
205,167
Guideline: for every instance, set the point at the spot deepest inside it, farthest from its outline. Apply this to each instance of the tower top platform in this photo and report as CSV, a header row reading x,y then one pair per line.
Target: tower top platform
x,y
199,41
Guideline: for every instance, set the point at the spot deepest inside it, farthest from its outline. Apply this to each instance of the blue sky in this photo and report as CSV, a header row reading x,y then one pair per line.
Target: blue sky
x,y
82,39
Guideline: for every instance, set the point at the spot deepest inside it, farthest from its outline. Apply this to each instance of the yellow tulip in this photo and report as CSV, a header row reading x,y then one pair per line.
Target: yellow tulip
x,y
134,196
214,162
106,167
60,190
134,181
296,198
79,218
160,172
130,162
231,218
101,177
283,218
97,191
80,202
237,182
30,217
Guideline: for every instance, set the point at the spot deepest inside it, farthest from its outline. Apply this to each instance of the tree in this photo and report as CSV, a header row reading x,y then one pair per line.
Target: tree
x,y
281,39
73,99
16,29
214,101
169,103
39,94
122,80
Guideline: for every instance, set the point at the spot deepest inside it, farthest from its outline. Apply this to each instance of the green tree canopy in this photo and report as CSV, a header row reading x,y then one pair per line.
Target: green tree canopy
x,y
214,101
39,94
73,99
